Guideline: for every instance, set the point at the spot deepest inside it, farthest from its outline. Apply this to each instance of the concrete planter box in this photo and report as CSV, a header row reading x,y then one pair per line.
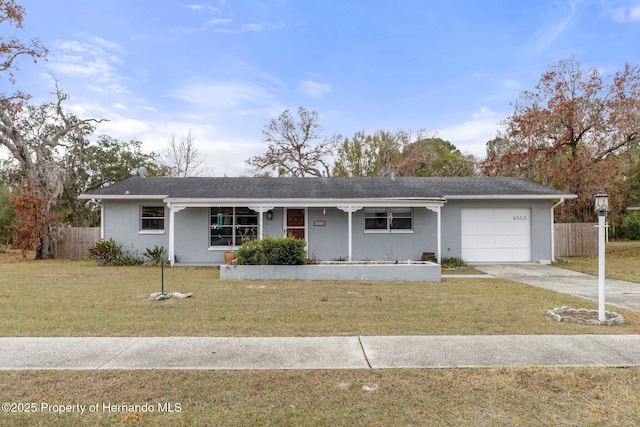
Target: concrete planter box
x,y
418,272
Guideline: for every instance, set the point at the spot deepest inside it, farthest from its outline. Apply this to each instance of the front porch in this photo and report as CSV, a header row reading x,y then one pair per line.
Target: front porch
x,y
380,230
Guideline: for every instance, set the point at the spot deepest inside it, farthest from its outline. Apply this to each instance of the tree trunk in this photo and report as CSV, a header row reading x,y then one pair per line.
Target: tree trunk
x,y
45,248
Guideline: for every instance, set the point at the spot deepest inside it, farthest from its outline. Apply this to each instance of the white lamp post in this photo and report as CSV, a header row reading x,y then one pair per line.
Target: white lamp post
x,y
601,206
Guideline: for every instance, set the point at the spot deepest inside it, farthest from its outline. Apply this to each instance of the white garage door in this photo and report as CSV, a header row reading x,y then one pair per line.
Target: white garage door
x,y
496,235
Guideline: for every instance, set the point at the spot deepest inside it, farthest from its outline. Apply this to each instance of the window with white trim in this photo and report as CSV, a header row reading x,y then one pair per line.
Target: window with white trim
x,y
231,226
152,218
388,220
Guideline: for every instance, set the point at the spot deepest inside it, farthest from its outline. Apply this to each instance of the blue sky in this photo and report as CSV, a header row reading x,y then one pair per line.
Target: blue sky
x,y
224,68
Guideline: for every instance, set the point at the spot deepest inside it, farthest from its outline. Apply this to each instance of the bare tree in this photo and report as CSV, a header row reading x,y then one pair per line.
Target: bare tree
x,y
293,146
12,47
182,156
38,138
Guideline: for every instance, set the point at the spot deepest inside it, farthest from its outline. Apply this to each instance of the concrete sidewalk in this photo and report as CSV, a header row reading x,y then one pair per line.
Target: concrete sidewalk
x,y
364,352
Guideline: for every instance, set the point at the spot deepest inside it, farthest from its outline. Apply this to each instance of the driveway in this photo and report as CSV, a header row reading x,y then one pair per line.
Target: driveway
x,y
617,292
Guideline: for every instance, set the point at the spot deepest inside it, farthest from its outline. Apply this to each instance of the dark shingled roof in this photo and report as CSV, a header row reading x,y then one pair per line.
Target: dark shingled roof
x,y
325,188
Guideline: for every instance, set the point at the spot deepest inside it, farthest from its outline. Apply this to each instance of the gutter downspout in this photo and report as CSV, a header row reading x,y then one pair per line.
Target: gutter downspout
x,y
553,231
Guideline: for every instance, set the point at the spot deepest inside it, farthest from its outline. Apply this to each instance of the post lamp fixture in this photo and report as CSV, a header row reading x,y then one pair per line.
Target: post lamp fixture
x,y
601,206
602,203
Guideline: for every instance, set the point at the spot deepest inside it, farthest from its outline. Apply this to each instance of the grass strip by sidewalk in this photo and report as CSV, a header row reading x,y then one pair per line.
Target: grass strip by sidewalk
x,y
529,396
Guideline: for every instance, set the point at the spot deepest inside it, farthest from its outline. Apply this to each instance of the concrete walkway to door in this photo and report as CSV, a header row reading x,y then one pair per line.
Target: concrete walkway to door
x,y
617,292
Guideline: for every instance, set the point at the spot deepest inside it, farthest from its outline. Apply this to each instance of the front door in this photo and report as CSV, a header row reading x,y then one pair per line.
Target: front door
x,y
295,225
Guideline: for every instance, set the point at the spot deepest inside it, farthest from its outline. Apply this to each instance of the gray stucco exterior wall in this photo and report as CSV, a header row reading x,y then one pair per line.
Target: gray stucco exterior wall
x,y
541,224
121,222
327,231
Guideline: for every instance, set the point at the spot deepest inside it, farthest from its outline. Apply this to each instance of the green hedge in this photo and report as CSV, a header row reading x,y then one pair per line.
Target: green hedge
x,y
630,227
273,251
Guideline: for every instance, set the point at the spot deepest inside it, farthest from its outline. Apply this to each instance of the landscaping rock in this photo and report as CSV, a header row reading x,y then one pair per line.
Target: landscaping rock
x,y
584,316
159,296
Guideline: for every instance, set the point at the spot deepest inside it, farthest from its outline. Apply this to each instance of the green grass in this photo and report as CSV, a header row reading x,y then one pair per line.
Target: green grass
x,y
61,298
58,298
622,262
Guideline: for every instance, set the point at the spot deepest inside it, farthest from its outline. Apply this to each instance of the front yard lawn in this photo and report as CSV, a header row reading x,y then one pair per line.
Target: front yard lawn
x,y
58,298
62,298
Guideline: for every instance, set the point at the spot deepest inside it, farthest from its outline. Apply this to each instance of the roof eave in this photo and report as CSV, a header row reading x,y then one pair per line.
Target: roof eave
x,y
299,202
123,196
511,197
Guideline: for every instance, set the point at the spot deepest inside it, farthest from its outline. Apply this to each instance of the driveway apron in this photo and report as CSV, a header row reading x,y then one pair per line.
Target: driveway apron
x,y
617,292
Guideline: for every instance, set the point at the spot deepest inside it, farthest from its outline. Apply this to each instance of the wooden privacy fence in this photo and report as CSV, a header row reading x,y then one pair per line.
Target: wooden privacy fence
x,y
576,239
74,242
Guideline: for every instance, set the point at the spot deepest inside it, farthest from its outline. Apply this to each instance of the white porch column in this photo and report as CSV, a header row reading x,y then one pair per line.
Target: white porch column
x,y
350,210
261,210
437,210
172,212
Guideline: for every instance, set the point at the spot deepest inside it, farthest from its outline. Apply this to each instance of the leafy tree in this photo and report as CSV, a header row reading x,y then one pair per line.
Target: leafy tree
x,y
379,154
402,153
295,146
182,157
577,131
356,156
93,165
34,220
7,216
435,157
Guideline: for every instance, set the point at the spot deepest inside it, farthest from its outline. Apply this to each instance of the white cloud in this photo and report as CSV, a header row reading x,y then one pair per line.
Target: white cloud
x,y
485,112
253,27
217,21
512,85
313,89
472,135
201,7
625,14
223,156
230,96
94,59
552,28
223,26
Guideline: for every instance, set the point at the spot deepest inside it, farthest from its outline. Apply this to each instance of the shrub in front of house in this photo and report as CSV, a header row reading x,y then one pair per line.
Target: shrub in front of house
x,y
109,253
106,252
452,263
155,255
273,251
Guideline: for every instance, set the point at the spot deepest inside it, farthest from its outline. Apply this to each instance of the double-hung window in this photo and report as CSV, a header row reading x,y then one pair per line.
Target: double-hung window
x,y
388,220
151,219
231,226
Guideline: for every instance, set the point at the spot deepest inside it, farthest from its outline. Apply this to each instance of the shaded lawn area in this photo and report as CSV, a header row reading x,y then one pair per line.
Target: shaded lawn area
x,y
62,298
529,396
